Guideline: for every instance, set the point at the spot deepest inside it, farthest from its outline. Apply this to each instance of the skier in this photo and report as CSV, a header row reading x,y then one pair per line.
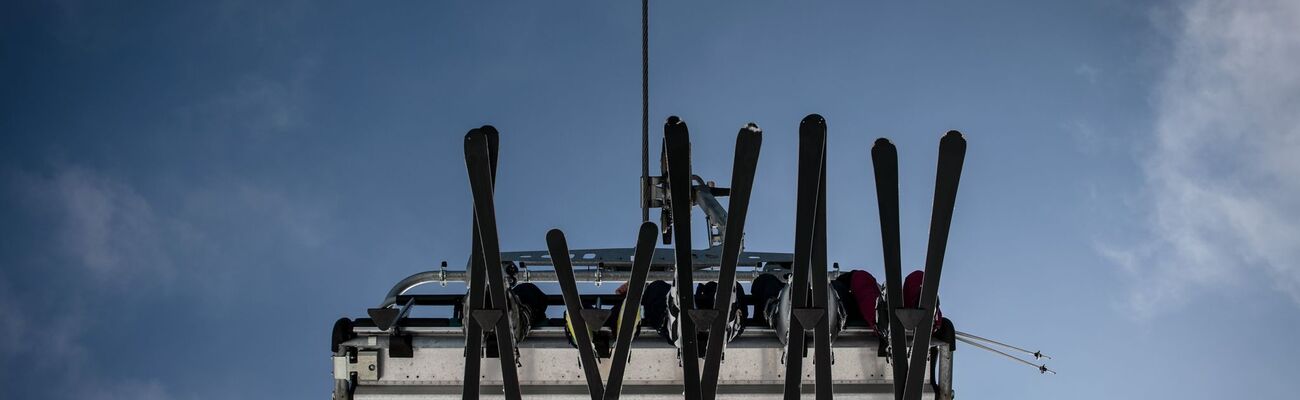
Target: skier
x,y
864,291
526,309
612,323
772,294
705,293
943,329
661,311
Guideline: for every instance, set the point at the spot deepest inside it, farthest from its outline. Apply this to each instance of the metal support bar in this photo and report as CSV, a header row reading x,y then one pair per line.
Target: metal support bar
x,y
610,276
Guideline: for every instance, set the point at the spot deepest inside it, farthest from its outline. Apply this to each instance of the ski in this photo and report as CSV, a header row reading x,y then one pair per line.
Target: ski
x,y
811,153
884,161
820,300
560,258
952,152
474,334
627,320
677,145
748,143
559,248
478,162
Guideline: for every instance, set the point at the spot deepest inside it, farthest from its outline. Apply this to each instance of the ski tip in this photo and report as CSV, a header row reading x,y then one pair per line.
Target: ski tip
x,y
488,129
674,126
475,138
554,235
648,228
751,127
883,151
953,143
813,119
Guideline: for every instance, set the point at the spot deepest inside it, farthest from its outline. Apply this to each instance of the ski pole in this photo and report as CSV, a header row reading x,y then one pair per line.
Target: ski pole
x,y
1042,369
1037,354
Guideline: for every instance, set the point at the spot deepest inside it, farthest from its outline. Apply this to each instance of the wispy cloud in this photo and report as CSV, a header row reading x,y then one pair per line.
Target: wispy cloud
x,y
106,238
107,226
102,227
136,390
52,343
1088,72
1223,179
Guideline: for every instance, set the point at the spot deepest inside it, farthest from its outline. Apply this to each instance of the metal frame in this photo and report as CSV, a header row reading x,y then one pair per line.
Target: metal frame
x,y
550,367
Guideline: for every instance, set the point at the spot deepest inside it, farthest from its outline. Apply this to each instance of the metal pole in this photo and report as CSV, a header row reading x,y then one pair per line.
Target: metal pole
x,y
591,276
645,110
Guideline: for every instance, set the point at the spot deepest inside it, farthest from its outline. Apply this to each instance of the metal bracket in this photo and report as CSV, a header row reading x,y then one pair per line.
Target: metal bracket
x,y
656,191
595,317
911,317
442,274
487,318
703,318
400,346
808,317
365,366
389,317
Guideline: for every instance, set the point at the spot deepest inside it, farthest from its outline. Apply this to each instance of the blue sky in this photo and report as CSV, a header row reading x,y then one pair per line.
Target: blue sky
x,y
192,192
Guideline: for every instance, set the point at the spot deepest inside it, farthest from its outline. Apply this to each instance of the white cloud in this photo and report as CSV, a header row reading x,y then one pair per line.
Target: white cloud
x,y
133,390
1088,72
1223,173
108,230
51,343
107,238
101,225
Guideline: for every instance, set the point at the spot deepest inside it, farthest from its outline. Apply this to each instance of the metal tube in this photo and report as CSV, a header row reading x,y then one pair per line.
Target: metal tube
x,y
590,275
586,275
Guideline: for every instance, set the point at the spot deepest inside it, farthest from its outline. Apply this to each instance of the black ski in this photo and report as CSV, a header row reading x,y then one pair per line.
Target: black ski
x,y
952,152
559,248
820,300
474,334
748,142
644,254
478,162
812,149
627,320
884,160
677,145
